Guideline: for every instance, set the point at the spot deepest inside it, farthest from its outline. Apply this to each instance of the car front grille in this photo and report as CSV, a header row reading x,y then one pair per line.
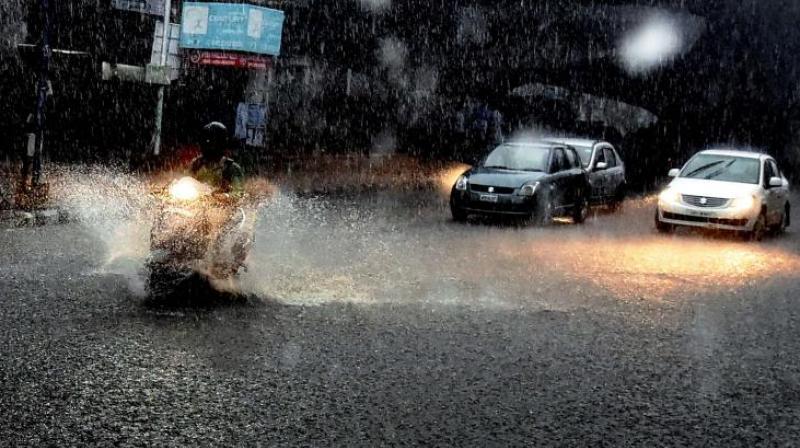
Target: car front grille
x,y
704,201
689,218
485,189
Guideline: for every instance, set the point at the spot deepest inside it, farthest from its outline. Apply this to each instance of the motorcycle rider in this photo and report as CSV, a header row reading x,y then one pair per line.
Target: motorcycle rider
x,y
212,166
223,174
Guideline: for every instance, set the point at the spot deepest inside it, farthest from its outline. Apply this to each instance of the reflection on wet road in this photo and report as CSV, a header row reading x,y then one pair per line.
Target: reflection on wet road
x,y
418,330
404,248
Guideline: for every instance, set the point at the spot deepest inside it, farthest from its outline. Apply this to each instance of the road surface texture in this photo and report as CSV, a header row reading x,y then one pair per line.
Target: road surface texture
x,y
376,321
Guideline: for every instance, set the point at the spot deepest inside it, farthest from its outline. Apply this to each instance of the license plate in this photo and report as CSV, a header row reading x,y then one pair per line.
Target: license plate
x,y
700,214
489,197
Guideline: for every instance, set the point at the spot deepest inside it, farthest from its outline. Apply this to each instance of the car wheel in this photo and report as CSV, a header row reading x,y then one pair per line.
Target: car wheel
x,y
759,228
788,216
663,227
459,215
785,221
618,201
543,215
580,211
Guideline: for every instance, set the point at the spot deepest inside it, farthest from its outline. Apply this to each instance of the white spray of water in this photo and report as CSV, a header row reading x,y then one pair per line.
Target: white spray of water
x,y
117,209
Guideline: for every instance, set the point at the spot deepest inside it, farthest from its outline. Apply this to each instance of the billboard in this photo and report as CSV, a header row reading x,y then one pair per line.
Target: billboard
x,y
232,27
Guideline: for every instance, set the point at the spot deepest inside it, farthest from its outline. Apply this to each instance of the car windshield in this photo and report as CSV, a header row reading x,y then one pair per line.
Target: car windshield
x,y
585,153
723,168
519,157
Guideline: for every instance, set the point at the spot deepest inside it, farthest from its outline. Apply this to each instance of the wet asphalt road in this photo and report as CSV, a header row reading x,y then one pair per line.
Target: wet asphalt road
x,y
376,321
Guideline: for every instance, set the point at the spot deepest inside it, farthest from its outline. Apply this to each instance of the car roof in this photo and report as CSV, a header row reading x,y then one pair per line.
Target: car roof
x,y
734,153
533,144
575,141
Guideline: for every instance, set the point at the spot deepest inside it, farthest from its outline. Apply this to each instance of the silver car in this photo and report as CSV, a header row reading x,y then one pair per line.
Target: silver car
x,y
605,170
726,189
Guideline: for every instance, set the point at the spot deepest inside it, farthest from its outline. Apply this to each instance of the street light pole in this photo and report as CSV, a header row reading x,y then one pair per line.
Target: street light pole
x,y
42,91
161,89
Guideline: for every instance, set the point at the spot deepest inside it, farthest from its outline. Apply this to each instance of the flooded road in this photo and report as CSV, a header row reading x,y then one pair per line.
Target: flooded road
x,y
380,321
404,248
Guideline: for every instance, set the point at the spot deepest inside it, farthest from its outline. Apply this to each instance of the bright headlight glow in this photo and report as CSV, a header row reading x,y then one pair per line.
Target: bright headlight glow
x,y
461,183
185,189
744,202
528,190
669,196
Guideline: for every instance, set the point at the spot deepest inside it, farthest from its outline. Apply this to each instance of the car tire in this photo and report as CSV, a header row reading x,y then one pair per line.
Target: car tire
x,y
788,216
459,215
617,203
759,228
785,221
663,227
543,214
581,211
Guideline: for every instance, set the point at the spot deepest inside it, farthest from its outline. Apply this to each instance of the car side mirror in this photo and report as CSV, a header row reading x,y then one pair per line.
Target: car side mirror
x,y
601,166
674,172
775,182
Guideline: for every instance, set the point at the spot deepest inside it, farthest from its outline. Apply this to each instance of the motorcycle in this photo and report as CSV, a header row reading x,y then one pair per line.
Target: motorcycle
x,y
196,232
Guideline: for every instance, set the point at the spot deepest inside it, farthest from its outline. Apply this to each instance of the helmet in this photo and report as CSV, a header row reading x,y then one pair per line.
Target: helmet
x,y
214,140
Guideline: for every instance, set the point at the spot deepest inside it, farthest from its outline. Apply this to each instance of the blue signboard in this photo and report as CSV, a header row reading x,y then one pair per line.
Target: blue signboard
x,y
232,27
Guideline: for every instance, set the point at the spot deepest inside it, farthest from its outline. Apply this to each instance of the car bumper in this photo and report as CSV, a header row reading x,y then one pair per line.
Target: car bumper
x,y
507,204
709,218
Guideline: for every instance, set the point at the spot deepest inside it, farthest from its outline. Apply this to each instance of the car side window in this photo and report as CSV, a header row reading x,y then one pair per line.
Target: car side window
x,y
611,159
769,172
599,156
775,171
559,160
572,158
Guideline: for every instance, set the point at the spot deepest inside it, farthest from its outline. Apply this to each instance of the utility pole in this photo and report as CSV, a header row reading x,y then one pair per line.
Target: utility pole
x,y
162,88
42,91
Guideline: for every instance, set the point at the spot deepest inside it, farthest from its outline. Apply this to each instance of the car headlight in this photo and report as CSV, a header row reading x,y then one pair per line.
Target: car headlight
x,y
744,202
670,196
461,183
528,189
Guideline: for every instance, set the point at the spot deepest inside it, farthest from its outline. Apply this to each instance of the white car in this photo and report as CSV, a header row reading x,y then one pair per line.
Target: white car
x,y
726,189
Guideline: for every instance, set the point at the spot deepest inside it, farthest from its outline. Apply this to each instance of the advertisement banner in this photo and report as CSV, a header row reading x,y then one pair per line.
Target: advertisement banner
x,y
232,27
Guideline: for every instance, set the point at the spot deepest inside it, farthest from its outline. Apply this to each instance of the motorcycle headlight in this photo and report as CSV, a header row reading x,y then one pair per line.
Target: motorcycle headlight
x,y
461,183
744,202
669,196
528,189
186,189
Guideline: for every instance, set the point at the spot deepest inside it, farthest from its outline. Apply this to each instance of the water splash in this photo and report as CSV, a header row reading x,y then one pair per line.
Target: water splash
x,y
116,208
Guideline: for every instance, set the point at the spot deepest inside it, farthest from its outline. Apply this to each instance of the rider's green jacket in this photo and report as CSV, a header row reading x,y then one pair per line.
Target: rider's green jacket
x,y
224,174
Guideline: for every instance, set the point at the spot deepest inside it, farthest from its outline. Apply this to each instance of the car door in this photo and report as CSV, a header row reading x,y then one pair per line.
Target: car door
x,y
596,176
576,175
614,174
559,179
775,195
